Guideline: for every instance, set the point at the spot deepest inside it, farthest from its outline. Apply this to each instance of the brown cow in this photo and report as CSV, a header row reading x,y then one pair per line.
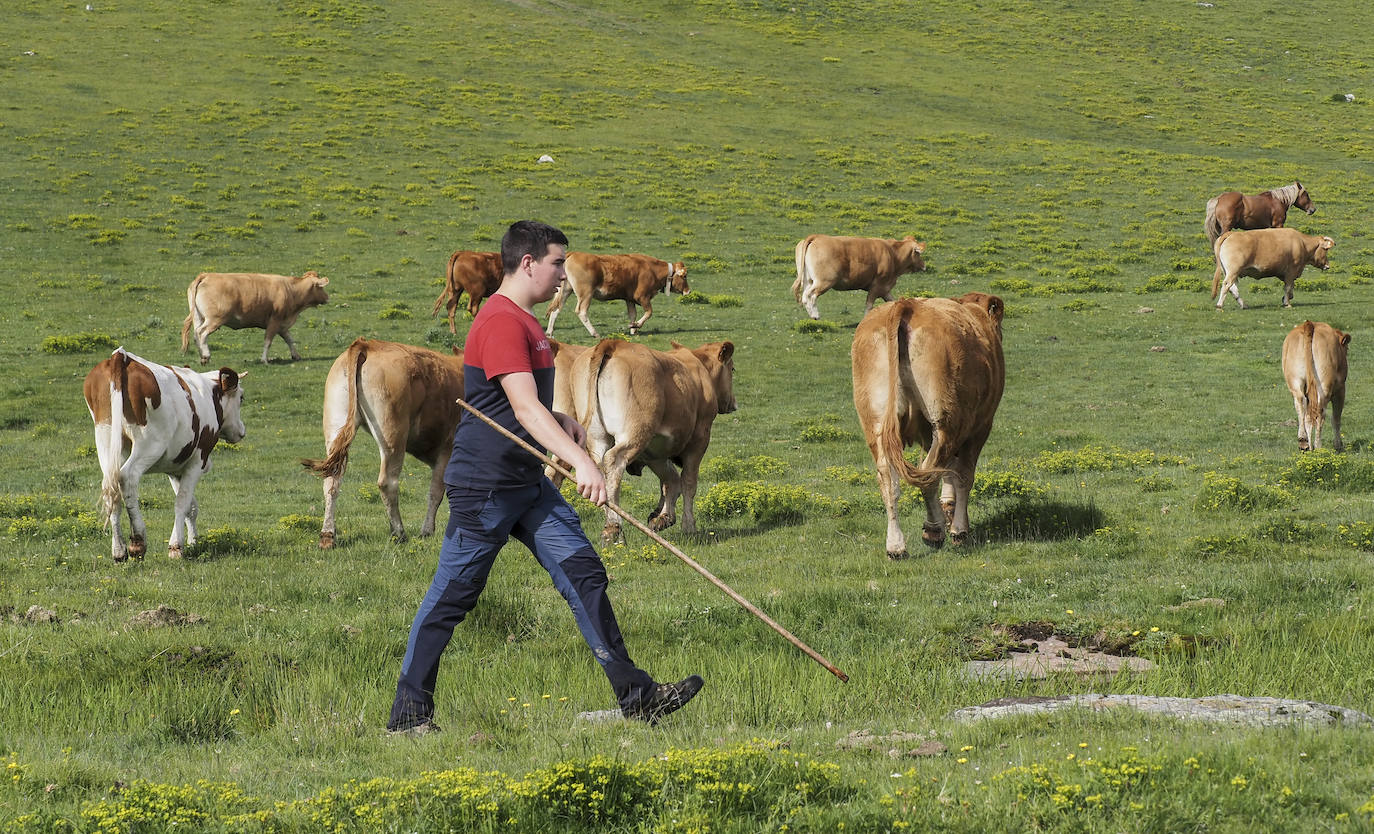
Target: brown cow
x,y
1266,253
476,273
929,370
632,278
406,398
1314,366
853,263
1266,210
156,418
644,407
248,299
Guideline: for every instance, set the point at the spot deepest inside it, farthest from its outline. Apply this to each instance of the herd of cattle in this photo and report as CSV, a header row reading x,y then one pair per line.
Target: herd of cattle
x,y
925,370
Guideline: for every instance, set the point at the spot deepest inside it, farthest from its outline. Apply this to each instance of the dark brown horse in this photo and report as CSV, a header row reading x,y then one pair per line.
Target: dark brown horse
x,y
1234,210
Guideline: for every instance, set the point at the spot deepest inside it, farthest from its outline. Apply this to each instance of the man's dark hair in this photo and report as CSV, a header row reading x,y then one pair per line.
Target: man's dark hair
x,y
528,237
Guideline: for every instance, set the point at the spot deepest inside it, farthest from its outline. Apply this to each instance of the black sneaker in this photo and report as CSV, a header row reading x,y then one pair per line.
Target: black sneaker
x,y
666,698
422,727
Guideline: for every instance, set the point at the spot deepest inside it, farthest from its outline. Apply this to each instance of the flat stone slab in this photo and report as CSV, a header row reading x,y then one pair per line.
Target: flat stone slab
x,y
1236,710
1053,656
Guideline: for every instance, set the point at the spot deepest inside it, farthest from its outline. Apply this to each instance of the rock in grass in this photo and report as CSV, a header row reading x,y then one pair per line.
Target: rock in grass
x,y
1235,710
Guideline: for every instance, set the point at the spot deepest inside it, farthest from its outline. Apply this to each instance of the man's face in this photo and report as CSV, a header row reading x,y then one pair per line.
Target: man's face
x,y
547,273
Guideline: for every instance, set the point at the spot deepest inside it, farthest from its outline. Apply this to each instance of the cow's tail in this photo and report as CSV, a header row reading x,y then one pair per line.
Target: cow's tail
x,y
336,456
111,484
591,404
1218,271
890,435
1210,224
450,288
1312,390
803,276
191,316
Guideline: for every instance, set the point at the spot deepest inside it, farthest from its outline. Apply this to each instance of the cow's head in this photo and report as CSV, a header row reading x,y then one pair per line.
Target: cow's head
x,y
719,359
229,392
1304,201
1319,257
677,279
990,304
909,251
312,286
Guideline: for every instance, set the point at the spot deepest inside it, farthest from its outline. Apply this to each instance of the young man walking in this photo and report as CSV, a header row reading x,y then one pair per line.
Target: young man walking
x,y
497,491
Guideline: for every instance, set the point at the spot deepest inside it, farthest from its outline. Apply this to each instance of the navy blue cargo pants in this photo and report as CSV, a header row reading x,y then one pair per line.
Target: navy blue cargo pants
x,y
480,523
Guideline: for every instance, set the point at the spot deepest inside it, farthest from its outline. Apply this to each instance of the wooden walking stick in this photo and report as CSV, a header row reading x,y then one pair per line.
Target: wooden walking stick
x,y
645,529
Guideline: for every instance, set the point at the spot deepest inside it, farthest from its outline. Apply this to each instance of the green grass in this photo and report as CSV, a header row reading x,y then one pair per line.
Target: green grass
x,y
1060,154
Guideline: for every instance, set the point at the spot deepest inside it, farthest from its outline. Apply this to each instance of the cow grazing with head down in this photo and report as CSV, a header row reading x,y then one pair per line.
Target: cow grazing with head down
x,y
156,418
406,398
635,279
248,299
1314,366
929,370
476,273
853,263
1266,253
644,407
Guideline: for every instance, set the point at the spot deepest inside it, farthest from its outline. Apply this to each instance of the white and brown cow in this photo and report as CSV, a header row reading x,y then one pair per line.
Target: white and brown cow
x,y
853,263
644,407
406,398
1314,366
156,418
476,273
635,279
929,371
1265,253
248,299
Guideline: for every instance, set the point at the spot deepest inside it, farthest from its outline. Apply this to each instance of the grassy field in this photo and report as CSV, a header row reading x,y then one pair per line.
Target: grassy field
x,y
1059,154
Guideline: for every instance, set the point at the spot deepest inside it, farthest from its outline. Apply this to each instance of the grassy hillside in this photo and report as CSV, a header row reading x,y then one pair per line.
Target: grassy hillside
x,y
1058,154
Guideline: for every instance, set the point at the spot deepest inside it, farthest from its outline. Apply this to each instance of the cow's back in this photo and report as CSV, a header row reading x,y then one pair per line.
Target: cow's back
x,y
241,299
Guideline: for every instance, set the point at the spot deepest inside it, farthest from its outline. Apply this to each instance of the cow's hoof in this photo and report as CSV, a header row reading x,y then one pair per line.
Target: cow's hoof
x,y
933,535
661,522
326,541
958,538
120,557
1303,444
611,534
897,557
173,553
948,508
137,547
400,537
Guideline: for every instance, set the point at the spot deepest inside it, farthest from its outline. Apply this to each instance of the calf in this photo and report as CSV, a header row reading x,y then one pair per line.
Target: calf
x,y
632,278
243,299
1314,366
852,263
644,407
476,273
156,418
406,398
1266,253
929,371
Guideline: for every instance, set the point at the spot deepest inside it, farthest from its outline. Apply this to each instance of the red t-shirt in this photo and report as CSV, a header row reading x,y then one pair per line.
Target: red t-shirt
x,y
503,339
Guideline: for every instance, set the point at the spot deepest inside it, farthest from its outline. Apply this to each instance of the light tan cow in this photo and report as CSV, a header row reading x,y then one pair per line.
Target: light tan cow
x,y
249,299
476,273
1265,253
1314,366
929,370
632,278
565,355
157,418
406,398
644,407
853,263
